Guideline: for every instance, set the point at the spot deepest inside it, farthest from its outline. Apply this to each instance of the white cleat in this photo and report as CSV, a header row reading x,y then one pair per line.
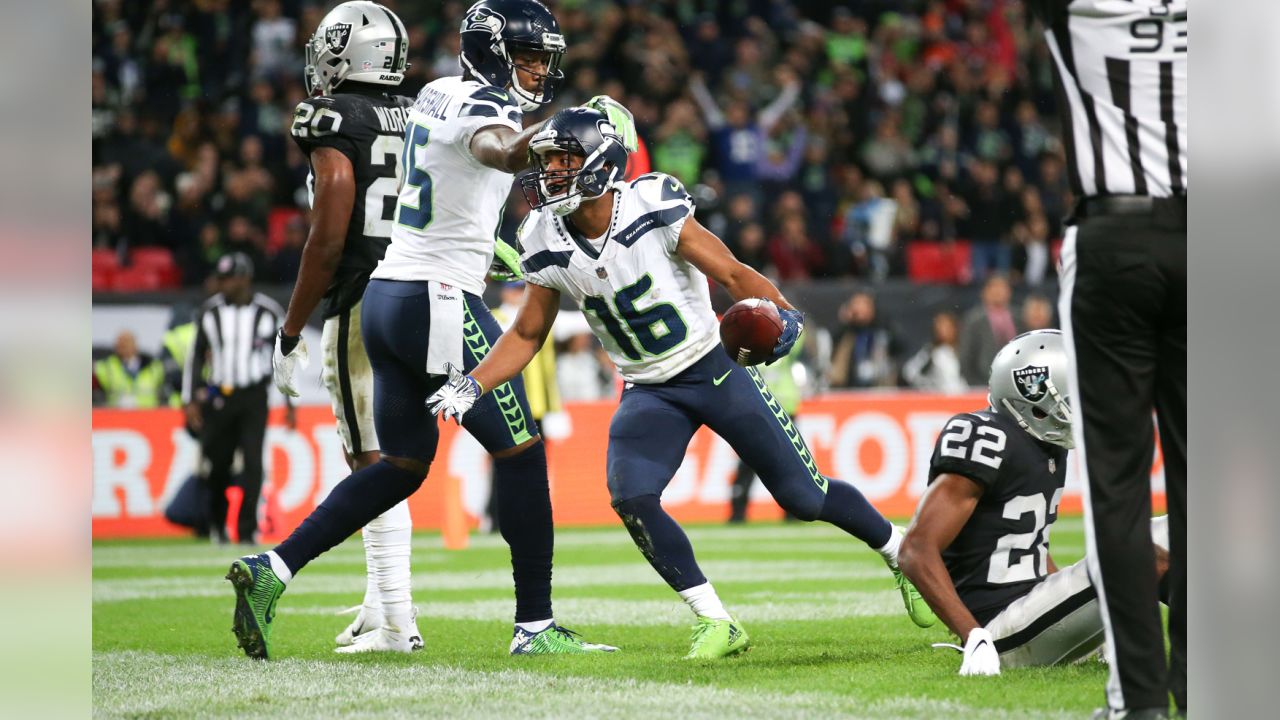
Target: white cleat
x,y
367,620
383,639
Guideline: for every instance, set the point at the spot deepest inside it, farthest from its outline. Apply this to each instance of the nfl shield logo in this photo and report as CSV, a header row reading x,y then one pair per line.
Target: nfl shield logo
x,y
600,273
1030,381
1053,466
336,36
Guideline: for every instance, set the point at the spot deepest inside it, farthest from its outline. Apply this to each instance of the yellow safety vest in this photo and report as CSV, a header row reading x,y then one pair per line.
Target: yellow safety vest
x,y
130,391
179,341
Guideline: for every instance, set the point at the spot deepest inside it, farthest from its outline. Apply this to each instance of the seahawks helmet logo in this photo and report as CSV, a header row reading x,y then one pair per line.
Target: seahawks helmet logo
x,y
484,19
1032,382
336,37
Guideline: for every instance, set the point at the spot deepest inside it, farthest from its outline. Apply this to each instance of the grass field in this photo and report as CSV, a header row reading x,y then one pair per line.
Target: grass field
x,y
830,637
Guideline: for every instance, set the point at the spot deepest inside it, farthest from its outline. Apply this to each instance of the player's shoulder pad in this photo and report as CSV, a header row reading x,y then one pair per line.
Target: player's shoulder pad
x,y
489,101
657,188
319,117
541,246
972,444
656,201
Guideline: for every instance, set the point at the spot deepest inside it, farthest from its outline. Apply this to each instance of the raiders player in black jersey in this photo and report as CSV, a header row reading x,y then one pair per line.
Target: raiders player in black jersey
x,y
978,547
352,130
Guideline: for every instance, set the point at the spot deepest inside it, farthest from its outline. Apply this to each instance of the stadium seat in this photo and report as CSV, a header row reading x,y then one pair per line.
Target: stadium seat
x,y
105,259
160,260
938,262
137,279
277,221
103,278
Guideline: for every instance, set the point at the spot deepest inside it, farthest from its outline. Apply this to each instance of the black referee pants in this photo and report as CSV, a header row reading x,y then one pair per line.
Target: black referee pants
x,y
1124,310
231,422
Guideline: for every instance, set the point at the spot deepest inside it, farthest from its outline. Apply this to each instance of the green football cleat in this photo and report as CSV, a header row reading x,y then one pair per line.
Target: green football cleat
x,y
555,640
715,639
257,590
919,610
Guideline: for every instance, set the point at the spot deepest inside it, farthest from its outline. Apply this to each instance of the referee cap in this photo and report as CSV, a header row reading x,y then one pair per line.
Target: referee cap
x,y
235,264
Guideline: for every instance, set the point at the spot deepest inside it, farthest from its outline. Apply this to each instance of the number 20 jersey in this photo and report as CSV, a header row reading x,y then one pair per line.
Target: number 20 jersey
x,y
1001,553
650,308
368,128
450,204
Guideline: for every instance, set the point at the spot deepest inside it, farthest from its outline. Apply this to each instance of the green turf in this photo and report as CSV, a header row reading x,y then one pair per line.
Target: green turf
x,y
830,638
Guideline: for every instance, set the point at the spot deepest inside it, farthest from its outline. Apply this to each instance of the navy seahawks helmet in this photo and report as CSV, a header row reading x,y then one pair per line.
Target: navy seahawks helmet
x,y
494,30
578,131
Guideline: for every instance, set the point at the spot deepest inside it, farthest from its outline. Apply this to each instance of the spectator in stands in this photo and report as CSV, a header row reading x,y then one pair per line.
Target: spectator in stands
x,y
986,219
936,366
128,378
985,329
1037,313
580,372
738,138
794,255
864,352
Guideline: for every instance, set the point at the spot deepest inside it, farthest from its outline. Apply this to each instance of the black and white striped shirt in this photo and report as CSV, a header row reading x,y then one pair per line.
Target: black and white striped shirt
x,y
238,341
1121,67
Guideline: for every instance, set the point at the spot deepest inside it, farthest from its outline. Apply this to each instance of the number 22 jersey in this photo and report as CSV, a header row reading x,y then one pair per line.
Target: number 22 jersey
x,y
1003,549
650,308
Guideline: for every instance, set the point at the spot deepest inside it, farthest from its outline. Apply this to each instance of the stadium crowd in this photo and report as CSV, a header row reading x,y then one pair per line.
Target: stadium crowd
x,y
820,140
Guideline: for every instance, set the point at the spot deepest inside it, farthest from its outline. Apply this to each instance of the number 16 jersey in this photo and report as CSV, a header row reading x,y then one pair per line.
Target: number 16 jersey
x,y
1003,550
650,308
450,204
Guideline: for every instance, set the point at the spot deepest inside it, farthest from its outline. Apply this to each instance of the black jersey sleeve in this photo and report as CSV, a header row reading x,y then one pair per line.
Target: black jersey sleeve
x,y
327,122
972,446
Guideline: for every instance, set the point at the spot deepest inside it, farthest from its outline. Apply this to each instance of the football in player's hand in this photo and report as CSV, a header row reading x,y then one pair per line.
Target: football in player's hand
x,y
750,330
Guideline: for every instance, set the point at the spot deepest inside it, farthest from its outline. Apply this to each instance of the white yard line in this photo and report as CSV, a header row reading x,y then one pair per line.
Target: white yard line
x,y
132,683
624,574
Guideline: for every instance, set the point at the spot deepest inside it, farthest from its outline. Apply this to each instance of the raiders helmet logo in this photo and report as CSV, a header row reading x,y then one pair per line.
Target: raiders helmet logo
x,y
336,37
1031,382
486,20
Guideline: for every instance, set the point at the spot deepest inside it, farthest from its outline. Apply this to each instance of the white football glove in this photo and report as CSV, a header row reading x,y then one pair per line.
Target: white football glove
x,y
287,365
456,397
980,656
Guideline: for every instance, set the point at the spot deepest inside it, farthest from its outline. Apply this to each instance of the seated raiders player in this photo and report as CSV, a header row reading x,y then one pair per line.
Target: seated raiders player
x,y
978,547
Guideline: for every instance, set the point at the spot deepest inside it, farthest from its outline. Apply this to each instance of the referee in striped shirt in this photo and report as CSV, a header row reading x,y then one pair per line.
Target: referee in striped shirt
x,y
235,335
1121,69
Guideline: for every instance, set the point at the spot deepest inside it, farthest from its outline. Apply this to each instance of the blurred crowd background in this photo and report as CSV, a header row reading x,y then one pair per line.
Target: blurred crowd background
x,y
872,143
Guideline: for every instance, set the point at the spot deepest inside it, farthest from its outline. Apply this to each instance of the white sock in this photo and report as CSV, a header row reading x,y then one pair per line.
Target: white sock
x,y
1160,532
372,598
890,550
704,602
387,546
536,626
279,568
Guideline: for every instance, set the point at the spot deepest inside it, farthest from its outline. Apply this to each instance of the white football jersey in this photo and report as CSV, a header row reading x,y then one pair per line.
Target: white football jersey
x,y
650,307
450,206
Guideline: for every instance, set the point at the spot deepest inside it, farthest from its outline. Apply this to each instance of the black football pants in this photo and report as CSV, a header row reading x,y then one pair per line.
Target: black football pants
x,y
237,420
1124,311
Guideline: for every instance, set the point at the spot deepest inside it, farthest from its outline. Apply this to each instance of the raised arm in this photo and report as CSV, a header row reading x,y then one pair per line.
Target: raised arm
x,y
502,148
707,253
943,511
702,96
335,192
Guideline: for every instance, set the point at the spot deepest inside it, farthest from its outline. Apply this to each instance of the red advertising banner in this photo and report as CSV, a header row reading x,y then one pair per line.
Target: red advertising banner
x,y
880,442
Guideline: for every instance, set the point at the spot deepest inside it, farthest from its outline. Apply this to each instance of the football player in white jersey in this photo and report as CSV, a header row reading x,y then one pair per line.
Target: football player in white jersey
x,y
633,259
422,312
